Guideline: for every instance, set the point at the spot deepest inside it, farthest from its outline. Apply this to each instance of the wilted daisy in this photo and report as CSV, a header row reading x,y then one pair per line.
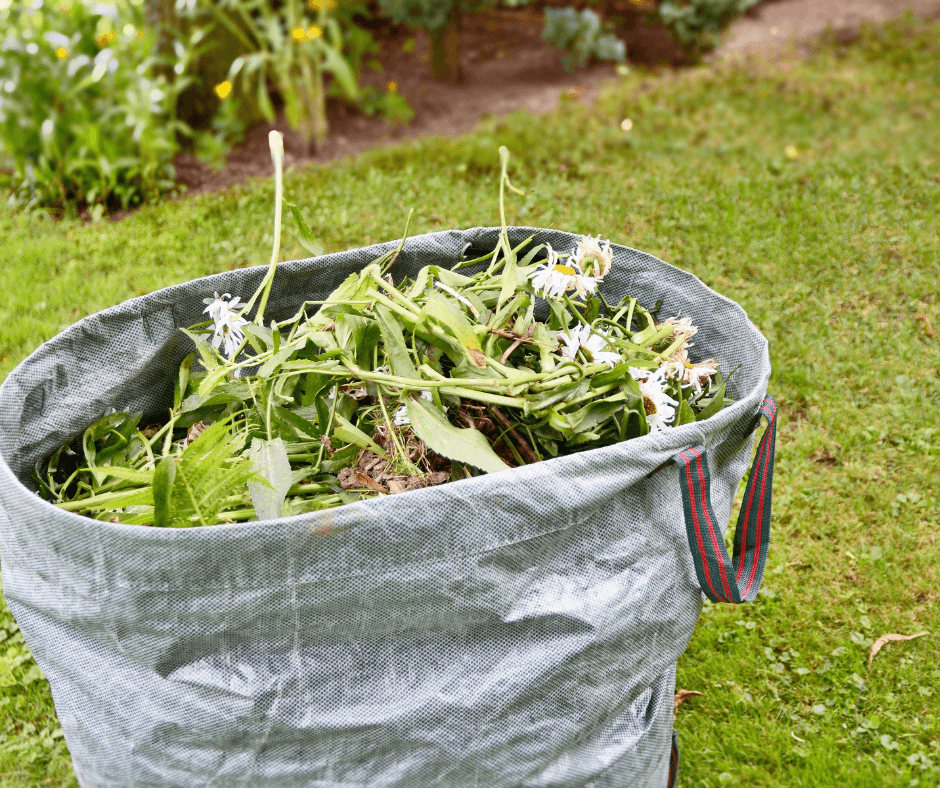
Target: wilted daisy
x,y
592,344
688,374
681,328
227,329
554,278
228,332
592,258
659,407
220,304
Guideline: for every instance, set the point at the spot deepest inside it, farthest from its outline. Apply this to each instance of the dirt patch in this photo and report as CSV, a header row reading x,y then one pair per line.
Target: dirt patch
x,y
509,67
778,24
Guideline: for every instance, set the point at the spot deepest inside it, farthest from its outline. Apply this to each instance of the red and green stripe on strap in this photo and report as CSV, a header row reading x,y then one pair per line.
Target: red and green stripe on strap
x,y
723,578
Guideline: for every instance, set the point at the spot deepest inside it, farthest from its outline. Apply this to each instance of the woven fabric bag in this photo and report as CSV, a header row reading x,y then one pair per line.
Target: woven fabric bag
x,y
516,629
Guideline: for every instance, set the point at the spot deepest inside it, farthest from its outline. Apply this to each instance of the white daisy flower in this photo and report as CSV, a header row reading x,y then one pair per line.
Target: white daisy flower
x,y
642,375
592,258
227,329
688,374
554,278
659,407
228,332
592,344
220,305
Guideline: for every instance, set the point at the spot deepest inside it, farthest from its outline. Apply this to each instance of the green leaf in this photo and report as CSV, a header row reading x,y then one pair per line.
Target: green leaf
x,y
306,237
163,478
120,436
353,336
107,430
526,261
182,380
276,361
596,413
685,414
393,338
211,380
715,402
207,355
102,472
196,402
468,446
337,65
442,311
263,334
346,291
142,496
350,433
269,461
300,424
264,100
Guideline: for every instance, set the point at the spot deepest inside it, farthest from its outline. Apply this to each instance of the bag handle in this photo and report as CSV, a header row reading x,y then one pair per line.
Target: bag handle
x,y
722,578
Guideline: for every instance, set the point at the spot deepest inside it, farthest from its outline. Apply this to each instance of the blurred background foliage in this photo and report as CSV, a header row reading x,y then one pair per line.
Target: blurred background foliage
x,y
98,97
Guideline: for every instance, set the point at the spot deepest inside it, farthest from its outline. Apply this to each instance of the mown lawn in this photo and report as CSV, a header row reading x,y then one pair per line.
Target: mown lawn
x,y
807,191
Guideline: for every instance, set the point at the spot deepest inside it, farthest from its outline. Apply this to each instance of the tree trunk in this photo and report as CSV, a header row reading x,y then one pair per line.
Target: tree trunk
x,y
445,50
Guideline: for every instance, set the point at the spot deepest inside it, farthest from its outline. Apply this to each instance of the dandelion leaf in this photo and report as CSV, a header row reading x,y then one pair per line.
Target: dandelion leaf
x,y
269,461
468,446
393,339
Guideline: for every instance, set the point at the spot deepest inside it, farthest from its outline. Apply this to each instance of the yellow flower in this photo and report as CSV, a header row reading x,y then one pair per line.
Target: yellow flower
x,y
298,33
320,5
223,89
314,32
791,152
392,87
62,52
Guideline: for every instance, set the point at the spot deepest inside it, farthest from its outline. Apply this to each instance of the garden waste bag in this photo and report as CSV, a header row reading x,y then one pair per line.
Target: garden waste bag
x,y
514,629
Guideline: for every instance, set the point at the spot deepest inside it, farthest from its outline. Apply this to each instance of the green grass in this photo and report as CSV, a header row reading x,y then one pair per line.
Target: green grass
x,y
835,255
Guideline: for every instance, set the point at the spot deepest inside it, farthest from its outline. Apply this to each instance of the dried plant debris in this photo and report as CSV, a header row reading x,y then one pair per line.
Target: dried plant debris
x,y
386,387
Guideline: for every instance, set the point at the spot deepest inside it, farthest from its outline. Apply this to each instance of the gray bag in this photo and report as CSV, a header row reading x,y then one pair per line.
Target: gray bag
x,y
515,629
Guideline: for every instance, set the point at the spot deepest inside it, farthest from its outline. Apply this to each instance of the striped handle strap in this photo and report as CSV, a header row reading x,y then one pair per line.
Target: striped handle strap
x,y
722,578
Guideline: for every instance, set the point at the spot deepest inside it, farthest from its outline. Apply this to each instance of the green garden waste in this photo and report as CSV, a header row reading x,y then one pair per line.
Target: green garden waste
x,y
518,629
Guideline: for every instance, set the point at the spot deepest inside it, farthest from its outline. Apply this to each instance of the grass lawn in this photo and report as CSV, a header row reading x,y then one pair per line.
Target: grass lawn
x,y
805,191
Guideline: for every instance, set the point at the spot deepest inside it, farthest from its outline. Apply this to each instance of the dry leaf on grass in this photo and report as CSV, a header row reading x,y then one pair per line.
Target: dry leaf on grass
x,y
876,646
682,696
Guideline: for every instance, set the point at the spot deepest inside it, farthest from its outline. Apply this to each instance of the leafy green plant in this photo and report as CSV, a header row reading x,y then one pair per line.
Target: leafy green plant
x,y
441,19
390,105
697,24
87,113
292,48
582,36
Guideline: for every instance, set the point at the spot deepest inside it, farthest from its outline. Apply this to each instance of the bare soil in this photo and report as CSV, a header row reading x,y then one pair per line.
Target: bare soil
x,y
507,67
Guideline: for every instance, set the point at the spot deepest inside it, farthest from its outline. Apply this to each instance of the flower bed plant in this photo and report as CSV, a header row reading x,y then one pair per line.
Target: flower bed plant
x,y
385,386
